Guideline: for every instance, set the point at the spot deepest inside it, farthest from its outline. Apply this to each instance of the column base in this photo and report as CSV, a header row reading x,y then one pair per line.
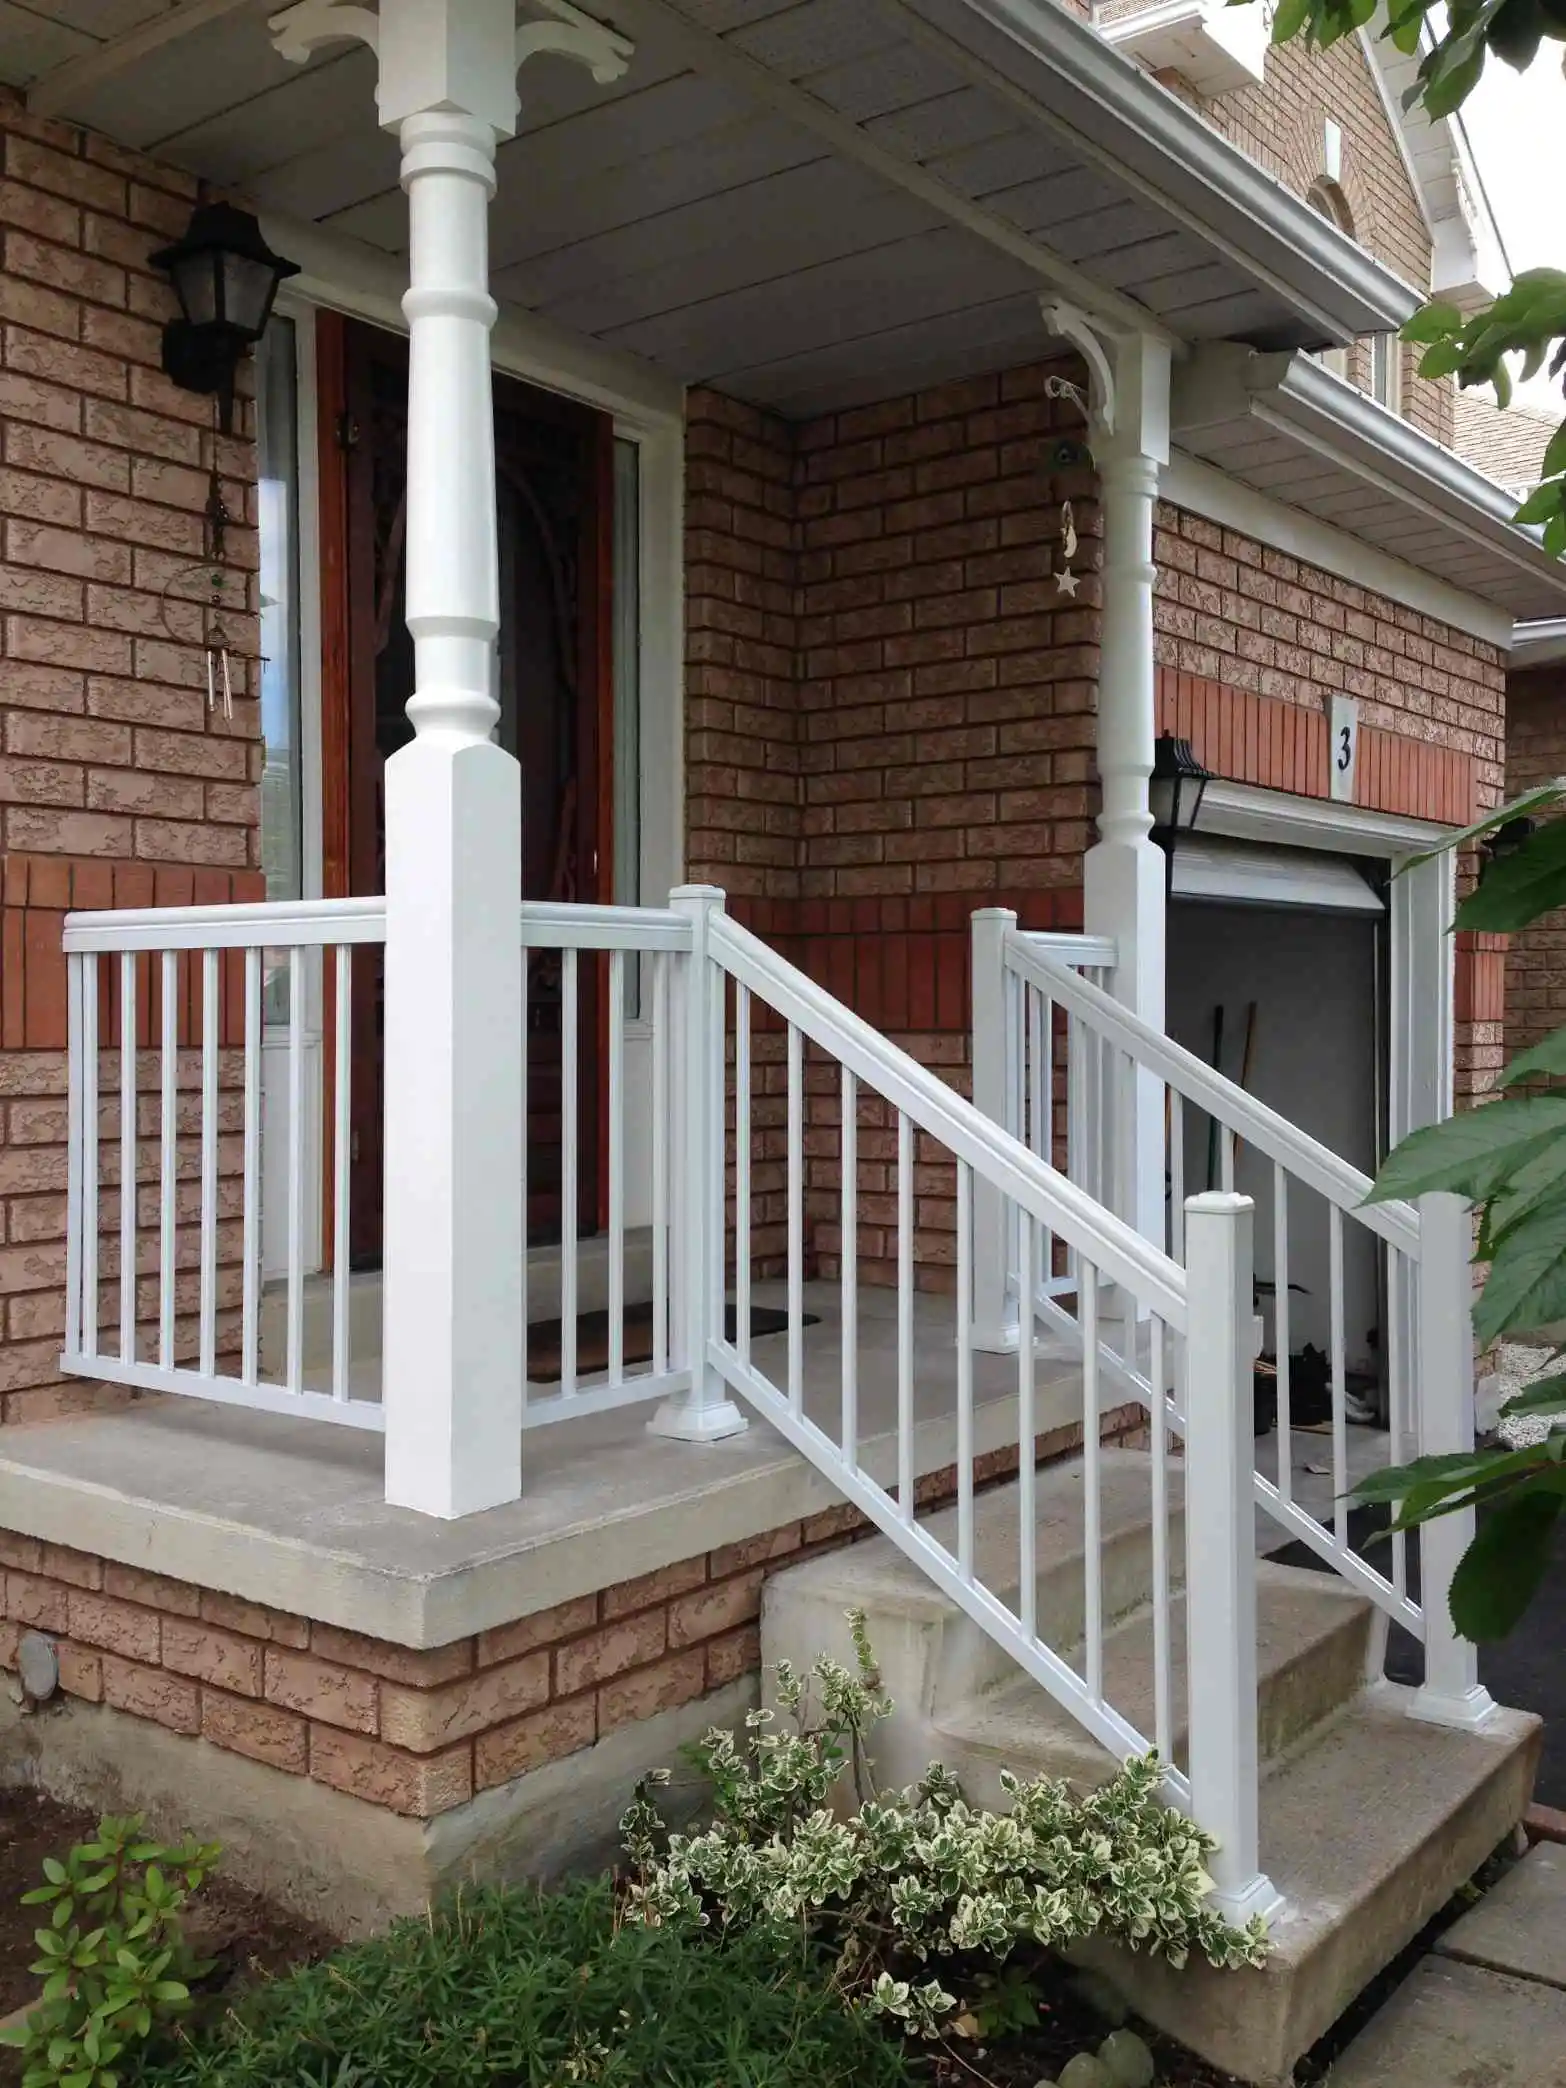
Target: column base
x,y
698,1419
1259,1898
1467,1710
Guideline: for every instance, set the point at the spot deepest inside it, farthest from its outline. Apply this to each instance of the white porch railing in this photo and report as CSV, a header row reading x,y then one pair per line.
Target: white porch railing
x,y
1064,1047
171,1036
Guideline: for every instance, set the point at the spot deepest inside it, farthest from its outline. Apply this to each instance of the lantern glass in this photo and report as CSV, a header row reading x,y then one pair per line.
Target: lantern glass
x,y
248,287
196,285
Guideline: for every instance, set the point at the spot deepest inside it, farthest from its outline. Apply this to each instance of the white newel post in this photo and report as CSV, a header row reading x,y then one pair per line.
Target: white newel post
x,y
1124,874
1443,1381
705,1413
454,1229
996,1042
1220,1544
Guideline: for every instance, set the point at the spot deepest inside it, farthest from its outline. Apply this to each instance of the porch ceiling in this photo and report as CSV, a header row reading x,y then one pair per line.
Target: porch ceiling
x,y
1291,429
805,202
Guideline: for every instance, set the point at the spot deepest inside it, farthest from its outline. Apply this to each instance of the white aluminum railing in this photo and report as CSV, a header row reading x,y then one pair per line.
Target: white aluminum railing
x,y
872,1139
171,1039
1050,1031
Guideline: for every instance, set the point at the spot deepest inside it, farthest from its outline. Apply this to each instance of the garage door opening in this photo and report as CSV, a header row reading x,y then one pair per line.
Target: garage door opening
x,y
1277,969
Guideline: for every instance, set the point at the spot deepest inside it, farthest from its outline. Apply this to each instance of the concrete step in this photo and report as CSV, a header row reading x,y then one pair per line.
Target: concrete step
x,y
932,1658
1367,1832
1370,1819
1313,1638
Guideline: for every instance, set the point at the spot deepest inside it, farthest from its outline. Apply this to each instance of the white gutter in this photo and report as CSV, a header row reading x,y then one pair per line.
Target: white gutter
x,y
1541,644
1321,412
1059,69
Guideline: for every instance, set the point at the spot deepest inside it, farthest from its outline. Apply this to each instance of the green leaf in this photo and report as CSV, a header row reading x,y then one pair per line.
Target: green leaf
x,y
1544,1396
1555,530
1526,1286
1547,1056
1516,31
1441,359
1540,504
1499,1574
1433,322
1289,19
1539,799
1472,1154
1555,455
1519,886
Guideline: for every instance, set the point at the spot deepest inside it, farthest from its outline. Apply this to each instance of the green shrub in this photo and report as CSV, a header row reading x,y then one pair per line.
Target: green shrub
x,y
916,1890
113,1958
541,1990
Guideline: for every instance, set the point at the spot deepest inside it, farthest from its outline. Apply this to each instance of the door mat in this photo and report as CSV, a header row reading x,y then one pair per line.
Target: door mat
x,y
592,1338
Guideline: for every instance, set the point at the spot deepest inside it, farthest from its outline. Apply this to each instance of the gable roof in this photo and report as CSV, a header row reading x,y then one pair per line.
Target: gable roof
x,y
1506,446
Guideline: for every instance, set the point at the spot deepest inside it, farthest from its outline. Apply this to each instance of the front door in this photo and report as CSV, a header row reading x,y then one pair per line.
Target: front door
x,y
554,473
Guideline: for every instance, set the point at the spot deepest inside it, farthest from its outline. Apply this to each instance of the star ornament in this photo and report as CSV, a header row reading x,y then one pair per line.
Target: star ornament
x,y
1066,582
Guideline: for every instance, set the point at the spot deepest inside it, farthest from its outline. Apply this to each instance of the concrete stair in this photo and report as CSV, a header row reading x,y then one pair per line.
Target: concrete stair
x,y
1370,1819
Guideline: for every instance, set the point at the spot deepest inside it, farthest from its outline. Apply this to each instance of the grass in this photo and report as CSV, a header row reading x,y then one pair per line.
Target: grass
x,y
538,1990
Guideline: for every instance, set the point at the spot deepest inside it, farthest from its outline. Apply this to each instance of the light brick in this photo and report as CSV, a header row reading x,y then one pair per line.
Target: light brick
x,y
322,1690
261,1731
678,1679
527,1743
609,1651
543,1628
650,1589
418,1785
81,1672
421,1667
210,1655
168,1700
424,1720
117,1627
736,1654
253,1619
719,1608
42,1604
77,1569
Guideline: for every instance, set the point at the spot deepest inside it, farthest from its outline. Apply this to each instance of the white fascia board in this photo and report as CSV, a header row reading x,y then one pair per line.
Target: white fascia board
x,y
348,276
1120,118
1225,383
1250,813
1186,482
1540,644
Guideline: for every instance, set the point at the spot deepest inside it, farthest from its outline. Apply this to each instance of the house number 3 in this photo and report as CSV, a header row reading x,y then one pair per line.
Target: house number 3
x,y
1344,742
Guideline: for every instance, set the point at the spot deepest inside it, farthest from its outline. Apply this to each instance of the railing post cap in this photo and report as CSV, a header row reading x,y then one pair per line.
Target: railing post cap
x,y
993,913
688,898
1218,1203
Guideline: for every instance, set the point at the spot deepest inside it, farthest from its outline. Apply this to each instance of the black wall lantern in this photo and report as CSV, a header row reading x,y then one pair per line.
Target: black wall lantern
x,y
1508,838
1175,792
225,277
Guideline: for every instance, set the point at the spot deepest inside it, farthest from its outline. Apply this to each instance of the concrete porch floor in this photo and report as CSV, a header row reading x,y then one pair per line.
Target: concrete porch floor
x,y
290,1513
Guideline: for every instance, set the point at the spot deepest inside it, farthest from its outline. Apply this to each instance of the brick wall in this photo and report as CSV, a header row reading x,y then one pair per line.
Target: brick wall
x,y
1536,959
420,1732
119,784
1279,123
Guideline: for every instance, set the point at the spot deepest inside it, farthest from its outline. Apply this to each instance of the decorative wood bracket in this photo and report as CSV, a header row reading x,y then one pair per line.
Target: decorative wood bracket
x,y
1097,405
301,30
1126,404
570,33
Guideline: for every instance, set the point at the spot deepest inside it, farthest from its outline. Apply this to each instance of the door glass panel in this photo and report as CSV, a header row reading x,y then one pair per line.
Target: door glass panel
x,y
277,514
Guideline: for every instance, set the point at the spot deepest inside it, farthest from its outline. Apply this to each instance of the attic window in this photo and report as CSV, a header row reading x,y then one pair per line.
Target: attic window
x,y
1329,200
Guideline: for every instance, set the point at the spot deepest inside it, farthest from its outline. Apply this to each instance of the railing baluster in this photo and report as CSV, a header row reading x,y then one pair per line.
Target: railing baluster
x,y
1047,1151
905,1319
1092,1562
75,1211
1339,1382
660,1162
965,1369
168,1151
128,1156
796,1219
524,1076
342,1155
250,1339
1225,1157
1163,1719
1027,1447
848,1266
1038,1139
1280,1327
569,1098
1177,1176
1399,1291
294,1372
92,1216
616,1166
742,1229
209,1159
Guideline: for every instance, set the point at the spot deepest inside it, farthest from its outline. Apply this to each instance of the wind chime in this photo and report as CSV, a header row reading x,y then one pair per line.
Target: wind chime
x,y
1065,456
206,586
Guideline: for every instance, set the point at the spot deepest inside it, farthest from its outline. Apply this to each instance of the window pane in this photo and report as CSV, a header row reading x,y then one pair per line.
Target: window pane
x,y
277,501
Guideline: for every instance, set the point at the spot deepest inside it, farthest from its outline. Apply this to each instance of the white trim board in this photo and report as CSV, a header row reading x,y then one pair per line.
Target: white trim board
x,y
1203,490
1246,813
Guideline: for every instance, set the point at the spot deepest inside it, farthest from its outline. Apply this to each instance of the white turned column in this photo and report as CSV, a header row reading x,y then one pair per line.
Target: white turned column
x,y
1220,1550
454,1227
1443,1378
455,1235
